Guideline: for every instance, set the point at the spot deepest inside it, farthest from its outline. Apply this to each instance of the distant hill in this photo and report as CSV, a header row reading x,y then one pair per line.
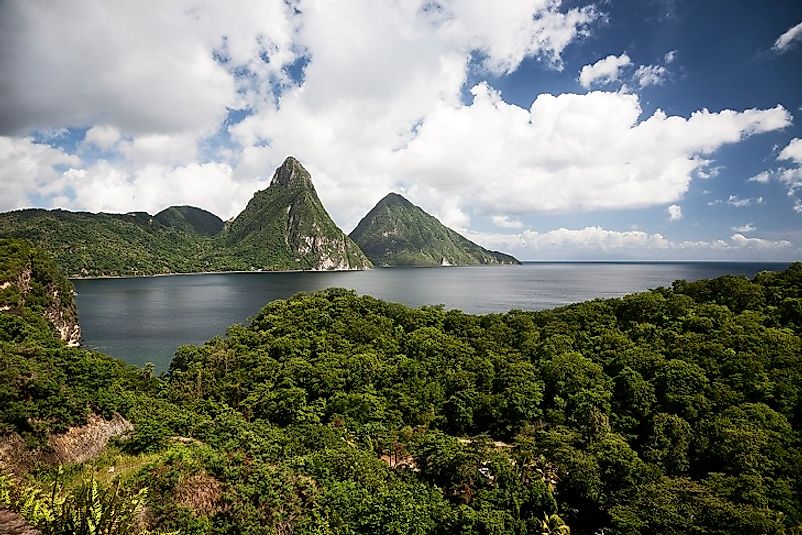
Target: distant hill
x,y
190,219
398,233
284,227
87,244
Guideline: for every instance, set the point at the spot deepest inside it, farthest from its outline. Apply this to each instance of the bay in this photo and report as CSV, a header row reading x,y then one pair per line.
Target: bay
x,y
145,319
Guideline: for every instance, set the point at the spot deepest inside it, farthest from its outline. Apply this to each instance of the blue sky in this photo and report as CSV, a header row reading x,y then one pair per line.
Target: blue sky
x,y
551,130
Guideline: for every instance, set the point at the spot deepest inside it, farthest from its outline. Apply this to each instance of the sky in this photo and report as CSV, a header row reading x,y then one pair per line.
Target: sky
x,y
551,130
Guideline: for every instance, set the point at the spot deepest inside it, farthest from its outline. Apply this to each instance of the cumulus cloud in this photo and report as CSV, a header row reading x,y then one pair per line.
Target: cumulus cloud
x,y
373,109
742,242
31,172
508,32
647,75
595,241
762,177
674,212
710,172
28,169
504,221
792,177
567,152
788,38
792,151
739,202
143,67
749,227
605,70
611,69
104,187
104,137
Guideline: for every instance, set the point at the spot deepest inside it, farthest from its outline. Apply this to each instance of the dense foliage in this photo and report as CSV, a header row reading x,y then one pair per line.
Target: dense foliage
x,y
398,233
190,219
671,411
87,244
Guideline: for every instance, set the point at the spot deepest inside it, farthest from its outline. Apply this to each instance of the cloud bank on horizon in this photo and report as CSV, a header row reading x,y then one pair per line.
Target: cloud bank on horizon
x,y
544,130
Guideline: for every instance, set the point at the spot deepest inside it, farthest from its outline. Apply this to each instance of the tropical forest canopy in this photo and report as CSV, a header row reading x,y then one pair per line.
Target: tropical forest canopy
x,y
671,411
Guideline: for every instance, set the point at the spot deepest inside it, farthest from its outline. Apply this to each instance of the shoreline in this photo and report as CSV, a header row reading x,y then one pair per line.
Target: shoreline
x,y
191,273
522,263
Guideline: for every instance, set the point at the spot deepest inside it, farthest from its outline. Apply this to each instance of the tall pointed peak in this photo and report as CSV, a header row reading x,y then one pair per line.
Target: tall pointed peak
x,y
290,172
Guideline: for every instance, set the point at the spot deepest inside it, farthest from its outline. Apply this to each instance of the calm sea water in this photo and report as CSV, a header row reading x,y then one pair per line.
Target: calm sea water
x,y
145,319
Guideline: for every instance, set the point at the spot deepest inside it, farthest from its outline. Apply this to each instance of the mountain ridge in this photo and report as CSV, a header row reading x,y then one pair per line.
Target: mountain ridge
x,y
283,227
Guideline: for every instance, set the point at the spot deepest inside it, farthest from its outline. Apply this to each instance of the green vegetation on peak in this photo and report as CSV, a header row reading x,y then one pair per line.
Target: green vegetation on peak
x,y
286,227
398,233
190,219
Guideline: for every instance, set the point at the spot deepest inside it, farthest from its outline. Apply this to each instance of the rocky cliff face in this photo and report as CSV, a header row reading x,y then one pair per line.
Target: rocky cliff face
x,y
78,444
29,280
286,227
61,314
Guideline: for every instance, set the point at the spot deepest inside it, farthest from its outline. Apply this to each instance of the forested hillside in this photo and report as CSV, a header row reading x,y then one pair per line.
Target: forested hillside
x,y
671,411
397,233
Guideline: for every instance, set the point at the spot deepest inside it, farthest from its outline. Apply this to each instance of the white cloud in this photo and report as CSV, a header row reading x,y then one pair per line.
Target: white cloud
x,y
28,168
749,227
143,67
164,149
742,242
594,241
611,69
790,36
792,151
792,177
709,172
674,212
762,177
647,75
739,202
568,152
103,137
508,32
605,70
108,188
504,221
378,109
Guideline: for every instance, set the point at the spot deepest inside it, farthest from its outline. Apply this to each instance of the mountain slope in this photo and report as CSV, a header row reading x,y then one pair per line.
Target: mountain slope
x,y
286,227
398,233
90,244
190,219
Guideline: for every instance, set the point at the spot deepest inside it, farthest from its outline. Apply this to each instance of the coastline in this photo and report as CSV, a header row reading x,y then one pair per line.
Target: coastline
x,y
190,273
177,274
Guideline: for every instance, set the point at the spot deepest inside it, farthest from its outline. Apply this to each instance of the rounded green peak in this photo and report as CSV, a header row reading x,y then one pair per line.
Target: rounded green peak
x,y
394,199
